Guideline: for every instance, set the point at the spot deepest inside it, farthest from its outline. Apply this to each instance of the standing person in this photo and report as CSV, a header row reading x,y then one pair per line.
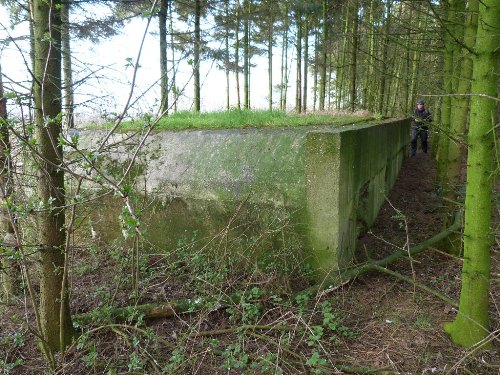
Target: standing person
x,y
419,126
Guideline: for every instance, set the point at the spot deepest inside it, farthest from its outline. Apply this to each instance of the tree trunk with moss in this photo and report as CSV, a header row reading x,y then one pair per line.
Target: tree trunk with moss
x,y
458,126
472,323
51,230
449,71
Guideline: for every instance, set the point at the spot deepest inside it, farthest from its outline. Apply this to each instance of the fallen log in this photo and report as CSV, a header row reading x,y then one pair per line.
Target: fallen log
x,y
340,278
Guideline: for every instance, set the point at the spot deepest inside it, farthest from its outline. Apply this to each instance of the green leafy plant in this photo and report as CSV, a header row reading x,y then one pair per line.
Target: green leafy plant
x,y
135,363
316,362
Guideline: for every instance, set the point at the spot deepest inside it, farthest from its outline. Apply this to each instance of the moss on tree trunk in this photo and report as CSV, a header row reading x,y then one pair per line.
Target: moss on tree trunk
x,y
51,232
472,323
458,126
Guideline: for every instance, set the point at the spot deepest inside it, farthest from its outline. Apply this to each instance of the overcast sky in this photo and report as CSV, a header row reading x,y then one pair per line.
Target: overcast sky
x,y
109,84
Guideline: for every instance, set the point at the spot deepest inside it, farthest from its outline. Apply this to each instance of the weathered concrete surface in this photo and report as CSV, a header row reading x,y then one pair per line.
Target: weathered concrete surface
x,y
328,183
348,175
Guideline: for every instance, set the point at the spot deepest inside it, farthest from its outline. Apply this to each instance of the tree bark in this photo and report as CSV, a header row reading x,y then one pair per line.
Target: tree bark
x,y
226,57
444,139
162,19
237,55
369,88
324,50
284,63
354,54
472,322
316,69
196,61
306,64
67,67
340,72
458,123
51,229
270,62
298,70
385,50
175,90
246,54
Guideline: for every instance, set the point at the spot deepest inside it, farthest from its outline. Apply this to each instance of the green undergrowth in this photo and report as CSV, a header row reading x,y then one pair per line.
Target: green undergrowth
x,y
236,119
260,332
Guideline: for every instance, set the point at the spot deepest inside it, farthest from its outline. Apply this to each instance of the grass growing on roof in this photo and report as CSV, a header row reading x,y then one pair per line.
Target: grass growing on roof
x,y
240,119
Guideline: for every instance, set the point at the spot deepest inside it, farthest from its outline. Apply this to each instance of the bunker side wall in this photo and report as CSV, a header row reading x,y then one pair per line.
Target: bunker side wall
x,y
356,174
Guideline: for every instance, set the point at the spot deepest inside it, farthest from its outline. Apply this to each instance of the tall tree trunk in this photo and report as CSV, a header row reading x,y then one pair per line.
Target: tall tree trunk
x,y
316,69
472,322
354,54
282,70
436,120
329,81
444,139
270,62
51,229
417,53
196,61
246,54
306,64
342,62
284,63
397,88
385,50
9,274
409,44
67,68
162,19
324,50
458,124
237,55
298,71
369,81
226,57
175,90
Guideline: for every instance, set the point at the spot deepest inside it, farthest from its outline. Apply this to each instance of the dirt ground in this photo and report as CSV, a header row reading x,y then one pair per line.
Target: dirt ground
x,y
377,323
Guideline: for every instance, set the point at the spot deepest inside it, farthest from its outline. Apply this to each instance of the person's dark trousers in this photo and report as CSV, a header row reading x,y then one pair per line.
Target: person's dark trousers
x,y
415,133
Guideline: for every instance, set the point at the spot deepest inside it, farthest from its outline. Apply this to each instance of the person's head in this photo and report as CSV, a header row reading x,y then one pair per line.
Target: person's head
x,y
420,104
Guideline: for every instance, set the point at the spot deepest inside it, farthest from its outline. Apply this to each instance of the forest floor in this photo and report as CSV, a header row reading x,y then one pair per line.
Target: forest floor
x,y
376,323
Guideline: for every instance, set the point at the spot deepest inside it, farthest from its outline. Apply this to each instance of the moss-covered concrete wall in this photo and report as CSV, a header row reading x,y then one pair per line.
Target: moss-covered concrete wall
x,y
349,174
328,183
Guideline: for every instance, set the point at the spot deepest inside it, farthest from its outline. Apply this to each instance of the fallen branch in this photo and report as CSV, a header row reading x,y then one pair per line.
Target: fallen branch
x,y
340,278
165,310
417,284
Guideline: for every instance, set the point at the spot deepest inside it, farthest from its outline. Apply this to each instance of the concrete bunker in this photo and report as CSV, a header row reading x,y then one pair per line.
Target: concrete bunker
x,y
326,182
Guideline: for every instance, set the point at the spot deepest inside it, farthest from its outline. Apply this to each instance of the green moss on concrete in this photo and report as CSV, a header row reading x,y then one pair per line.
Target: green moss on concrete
x,y
322,173
326,183
346,186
